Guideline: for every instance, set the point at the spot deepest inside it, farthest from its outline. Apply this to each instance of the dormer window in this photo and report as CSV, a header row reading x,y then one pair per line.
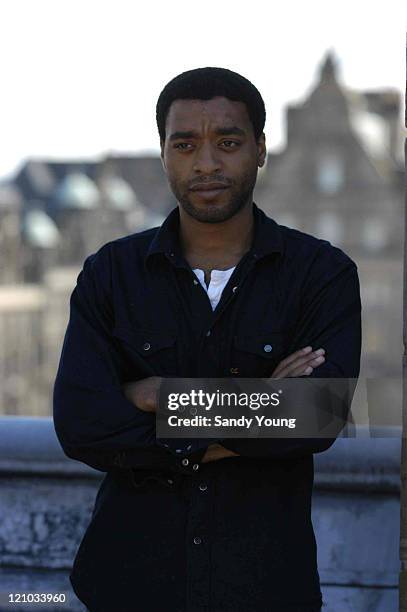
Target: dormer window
x,y
330,174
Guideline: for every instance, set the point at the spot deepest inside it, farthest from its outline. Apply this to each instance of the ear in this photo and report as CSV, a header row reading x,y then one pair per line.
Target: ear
x,y
261,150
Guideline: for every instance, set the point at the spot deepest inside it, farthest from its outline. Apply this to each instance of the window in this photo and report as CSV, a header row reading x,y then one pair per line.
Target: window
x,y
330,174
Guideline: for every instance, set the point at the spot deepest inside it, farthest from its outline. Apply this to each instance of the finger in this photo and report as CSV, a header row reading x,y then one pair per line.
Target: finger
x,y
301,372
301,364
308,369
303,354
298,371
304,351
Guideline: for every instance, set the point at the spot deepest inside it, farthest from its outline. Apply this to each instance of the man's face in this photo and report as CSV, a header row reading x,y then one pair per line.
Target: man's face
x,y
211,157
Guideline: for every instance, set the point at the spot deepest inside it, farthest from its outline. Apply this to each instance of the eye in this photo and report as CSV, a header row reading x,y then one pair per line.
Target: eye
x,y
182,146
230,144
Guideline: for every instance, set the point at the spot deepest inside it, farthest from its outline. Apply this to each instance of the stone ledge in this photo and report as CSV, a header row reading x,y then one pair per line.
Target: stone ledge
x,y
28,445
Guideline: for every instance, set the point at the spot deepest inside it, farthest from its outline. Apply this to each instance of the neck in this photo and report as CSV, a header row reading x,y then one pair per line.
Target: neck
x,y
216,245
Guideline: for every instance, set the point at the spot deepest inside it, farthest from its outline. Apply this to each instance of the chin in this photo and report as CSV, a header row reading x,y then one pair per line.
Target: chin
x,y
211,211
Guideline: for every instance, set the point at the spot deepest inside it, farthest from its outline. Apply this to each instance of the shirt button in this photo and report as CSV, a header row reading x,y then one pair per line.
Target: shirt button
x,y
234,289
195,466
208,333
196,282
197,540
185,462
234,370
146,346
203,486
267,348
170,481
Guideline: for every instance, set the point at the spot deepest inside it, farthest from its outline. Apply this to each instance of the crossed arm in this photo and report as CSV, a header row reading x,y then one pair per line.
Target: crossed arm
x,y
144,393
102,424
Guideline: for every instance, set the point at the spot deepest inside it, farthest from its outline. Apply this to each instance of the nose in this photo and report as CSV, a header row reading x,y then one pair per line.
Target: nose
x,y
206,159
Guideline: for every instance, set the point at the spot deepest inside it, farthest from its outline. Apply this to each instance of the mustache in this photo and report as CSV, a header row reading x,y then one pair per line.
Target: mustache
x,y
216,178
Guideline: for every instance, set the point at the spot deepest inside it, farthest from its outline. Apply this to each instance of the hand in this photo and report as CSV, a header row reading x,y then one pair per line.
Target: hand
x,y
144,393
217,451
300,363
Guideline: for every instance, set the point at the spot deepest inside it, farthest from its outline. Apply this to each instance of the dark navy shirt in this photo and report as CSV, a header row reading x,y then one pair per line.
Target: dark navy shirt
x,y
167,531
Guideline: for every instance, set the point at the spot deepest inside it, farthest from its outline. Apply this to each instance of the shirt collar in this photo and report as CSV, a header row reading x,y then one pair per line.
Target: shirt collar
x,y
267,239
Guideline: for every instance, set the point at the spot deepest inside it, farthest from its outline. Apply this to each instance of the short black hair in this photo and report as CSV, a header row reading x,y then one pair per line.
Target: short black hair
x,y
207,83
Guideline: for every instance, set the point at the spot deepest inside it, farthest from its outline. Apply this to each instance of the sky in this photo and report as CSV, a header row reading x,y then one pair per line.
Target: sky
x,y
80,79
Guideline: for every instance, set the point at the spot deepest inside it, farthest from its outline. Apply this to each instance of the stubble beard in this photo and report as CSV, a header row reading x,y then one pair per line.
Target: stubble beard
x,y
216,213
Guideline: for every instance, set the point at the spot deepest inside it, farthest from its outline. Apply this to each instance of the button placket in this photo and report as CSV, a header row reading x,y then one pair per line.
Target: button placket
x,y
246,267
199,549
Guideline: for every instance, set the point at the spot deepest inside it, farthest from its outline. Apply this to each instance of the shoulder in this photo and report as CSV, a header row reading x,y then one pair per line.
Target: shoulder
x,y
120,256
311,252
133,245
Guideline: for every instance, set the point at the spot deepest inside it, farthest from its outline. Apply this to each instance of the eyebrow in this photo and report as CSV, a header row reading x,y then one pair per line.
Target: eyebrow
x,y
220,131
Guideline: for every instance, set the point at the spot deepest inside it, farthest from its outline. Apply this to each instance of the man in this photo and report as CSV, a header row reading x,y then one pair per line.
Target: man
x,y
219,290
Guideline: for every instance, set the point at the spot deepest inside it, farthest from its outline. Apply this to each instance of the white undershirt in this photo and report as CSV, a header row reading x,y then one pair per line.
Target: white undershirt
x,y
219,279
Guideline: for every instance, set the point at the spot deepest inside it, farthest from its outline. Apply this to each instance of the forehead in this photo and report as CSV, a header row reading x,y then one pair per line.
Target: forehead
x,y
219,111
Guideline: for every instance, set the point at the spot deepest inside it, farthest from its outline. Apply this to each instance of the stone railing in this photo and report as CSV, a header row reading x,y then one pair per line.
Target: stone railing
x,y
46,502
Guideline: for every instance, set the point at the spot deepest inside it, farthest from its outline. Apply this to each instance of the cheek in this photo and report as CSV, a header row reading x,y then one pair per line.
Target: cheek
x,y
243,165
248,173
176,171
172,173
177,181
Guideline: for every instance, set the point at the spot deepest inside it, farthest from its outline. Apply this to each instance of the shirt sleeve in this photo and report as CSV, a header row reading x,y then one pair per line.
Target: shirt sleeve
x,y
330,319
94,421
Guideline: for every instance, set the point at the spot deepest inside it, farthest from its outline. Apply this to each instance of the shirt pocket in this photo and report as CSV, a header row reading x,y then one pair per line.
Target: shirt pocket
x,y
147,352
258,354
152,478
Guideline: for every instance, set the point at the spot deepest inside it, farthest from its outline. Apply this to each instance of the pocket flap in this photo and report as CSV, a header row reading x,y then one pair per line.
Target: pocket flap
x,y
145,341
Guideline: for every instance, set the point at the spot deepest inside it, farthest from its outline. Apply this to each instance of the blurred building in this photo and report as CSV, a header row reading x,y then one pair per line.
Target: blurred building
x,y
88,203
339,177
11,269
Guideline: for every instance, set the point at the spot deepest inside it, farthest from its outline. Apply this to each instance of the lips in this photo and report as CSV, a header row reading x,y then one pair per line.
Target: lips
x,y
209,191
209,187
